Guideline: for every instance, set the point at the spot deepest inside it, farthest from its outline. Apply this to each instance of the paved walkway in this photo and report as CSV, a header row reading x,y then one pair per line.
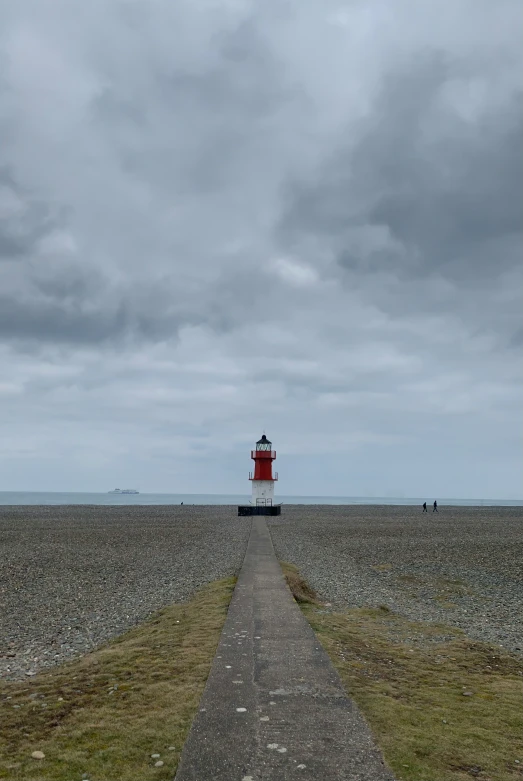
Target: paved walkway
x,y
274,708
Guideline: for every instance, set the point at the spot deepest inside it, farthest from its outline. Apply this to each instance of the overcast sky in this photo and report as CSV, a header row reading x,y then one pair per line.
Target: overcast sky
x,y
302,217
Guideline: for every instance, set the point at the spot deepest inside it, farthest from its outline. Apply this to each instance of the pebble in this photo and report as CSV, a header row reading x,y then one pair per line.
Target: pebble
x,y
159,763
358,555
38,755
89,574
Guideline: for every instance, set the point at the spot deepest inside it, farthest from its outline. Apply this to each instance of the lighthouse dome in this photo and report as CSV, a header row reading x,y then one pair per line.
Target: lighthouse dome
x,y
263,443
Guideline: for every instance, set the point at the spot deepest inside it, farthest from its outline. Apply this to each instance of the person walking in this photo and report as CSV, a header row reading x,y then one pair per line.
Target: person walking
x,y
435,507
424,507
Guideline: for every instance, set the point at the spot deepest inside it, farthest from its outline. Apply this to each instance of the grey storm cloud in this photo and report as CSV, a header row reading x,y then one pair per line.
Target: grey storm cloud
x,y
83,307
21,230
67,321
296,215
421,194
440,190
187,135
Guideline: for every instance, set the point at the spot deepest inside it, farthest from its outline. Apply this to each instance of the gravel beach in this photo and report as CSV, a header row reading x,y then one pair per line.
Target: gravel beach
x,y
462,566
71,577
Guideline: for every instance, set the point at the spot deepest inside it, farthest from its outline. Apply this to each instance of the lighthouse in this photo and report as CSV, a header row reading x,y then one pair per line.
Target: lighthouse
x,y
262,480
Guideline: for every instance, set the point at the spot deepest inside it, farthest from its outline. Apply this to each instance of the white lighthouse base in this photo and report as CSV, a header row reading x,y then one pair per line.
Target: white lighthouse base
x,y
262,492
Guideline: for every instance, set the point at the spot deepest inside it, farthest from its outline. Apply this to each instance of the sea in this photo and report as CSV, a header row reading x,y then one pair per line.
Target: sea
x,y
108,499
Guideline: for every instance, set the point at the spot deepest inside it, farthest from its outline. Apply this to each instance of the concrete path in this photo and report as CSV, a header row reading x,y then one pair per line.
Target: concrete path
x,y
274,708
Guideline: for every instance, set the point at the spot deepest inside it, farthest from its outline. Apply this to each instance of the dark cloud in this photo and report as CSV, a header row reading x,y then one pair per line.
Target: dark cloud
x,y
25,220
422,189
516,340
78,309
217,111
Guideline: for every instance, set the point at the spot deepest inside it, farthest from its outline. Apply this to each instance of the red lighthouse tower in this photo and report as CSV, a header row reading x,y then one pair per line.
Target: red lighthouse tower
x,y
262,481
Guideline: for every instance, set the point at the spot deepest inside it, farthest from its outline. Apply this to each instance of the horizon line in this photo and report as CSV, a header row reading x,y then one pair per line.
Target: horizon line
x,y
305,496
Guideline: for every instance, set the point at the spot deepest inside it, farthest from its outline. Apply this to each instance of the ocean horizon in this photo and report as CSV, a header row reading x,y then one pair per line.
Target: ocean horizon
x,y
65,497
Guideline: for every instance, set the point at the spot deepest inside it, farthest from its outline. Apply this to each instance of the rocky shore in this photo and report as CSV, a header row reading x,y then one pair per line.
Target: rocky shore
x,y
71,577
461,566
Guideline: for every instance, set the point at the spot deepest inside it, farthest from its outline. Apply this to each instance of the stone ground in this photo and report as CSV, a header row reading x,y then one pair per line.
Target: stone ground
x,y
462,566
73,577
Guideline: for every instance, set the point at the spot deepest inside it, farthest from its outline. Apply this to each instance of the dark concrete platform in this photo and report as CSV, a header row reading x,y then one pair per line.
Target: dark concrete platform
x,y
274,708
259,509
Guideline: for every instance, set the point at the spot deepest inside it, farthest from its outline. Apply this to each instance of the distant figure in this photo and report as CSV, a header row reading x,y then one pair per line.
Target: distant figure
x,y
435,507
181,502
424,507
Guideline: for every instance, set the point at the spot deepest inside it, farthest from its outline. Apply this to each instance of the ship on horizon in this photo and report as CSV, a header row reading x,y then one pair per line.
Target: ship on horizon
x,y
124,491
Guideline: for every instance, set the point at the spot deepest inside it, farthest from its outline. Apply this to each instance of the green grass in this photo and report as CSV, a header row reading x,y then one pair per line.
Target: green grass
x,y
106,713
442,707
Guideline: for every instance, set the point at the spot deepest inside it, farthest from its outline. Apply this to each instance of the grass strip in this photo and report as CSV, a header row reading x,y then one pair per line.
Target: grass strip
x,y
102,716
441,706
